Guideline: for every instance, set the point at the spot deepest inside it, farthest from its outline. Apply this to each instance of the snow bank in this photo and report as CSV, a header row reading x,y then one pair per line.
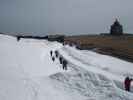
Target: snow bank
x,y
88,85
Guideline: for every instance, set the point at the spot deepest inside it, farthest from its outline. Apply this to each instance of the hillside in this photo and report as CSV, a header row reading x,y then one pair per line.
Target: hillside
x,y
118,46
27,72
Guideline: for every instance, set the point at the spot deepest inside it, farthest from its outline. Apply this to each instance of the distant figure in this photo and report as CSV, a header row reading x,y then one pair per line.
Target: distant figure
x,y
63,43
53,58
18,38
56,54
61,60
51,52
64,64
127,83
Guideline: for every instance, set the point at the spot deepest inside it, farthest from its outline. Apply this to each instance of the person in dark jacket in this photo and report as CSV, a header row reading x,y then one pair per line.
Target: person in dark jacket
x,y
51,52
127,83
61,60
18,38
64,64
53,58
56,54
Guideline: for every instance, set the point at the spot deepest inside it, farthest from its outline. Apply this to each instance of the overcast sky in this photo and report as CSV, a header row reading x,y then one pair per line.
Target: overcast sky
x,y
64,16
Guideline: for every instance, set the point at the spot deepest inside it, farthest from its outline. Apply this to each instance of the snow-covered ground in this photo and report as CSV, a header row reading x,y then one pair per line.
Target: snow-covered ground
x,y
27,72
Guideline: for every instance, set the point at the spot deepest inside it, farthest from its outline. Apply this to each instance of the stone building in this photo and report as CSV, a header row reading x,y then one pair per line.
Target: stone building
x,y
116,28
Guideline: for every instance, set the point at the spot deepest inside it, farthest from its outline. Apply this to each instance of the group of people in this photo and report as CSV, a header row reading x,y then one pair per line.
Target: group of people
x,y
61,59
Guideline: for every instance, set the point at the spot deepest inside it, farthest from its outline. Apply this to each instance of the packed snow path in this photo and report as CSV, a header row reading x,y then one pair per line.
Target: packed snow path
x,y
27,72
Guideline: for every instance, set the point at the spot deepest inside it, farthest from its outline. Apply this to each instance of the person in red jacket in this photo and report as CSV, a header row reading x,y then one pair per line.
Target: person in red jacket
x,y
127,83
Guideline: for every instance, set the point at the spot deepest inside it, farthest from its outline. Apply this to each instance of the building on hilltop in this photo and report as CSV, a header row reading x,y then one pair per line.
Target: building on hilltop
x,y
116,28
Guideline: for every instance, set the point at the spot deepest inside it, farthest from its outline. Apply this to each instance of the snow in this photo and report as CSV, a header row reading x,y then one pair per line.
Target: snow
x,y
102,62
26,58
27,72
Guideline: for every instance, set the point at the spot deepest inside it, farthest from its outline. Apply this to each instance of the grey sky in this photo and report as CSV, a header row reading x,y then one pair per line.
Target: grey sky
x,y
64,16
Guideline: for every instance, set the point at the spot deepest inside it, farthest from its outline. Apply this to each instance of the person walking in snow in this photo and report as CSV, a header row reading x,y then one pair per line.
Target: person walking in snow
x,y
18,38
53,58
64,64
56,54
51,52
61,60
127,83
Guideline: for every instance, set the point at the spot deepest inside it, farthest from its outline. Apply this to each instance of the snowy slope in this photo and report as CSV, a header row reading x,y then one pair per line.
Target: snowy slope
x,y
113,68
27,57
27,72
104,62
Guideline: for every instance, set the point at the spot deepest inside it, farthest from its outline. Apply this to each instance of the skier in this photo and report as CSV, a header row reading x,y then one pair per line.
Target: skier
x,y
127,83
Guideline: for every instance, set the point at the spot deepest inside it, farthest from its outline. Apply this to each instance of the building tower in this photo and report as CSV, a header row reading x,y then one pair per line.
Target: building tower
x,y
116,28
